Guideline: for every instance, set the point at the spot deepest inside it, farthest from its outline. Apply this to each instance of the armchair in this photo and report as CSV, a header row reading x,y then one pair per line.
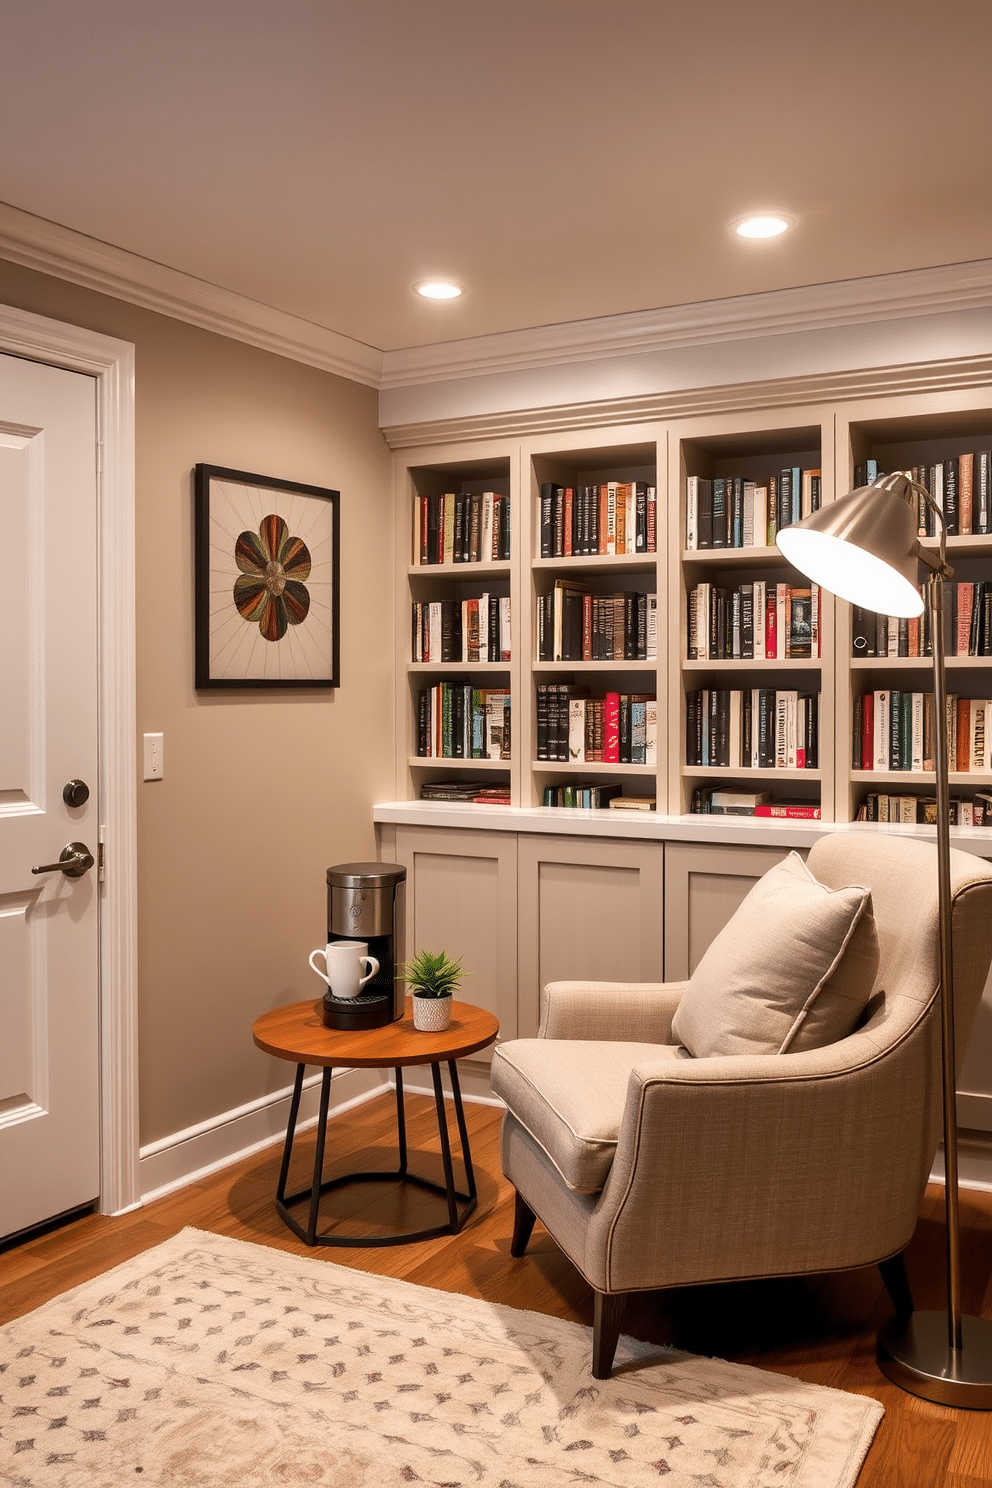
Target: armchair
x,y
653,1169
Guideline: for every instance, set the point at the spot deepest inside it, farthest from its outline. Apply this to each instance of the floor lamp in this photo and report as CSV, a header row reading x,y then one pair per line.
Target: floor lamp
x,y
865,548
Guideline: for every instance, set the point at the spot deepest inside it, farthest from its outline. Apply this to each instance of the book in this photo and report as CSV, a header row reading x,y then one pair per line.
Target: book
x,y
796,810
633,803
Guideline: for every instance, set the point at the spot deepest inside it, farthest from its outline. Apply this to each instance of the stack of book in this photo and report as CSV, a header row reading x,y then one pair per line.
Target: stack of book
x,y
574,625
475,630
615,517
894,730
973,811
755,622
618,728
466,527
734,512
959,485
466,791
739,801
457,721
967,626
762,728
583,796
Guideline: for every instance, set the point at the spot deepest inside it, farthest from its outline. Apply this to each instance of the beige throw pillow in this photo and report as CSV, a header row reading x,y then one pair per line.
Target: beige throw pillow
x,y
793,969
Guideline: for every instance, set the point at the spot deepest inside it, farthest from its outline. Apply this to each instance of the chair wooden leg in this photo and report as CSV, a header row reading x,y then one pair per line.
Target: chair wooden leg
x,y
897,1283
608,1308
523,1224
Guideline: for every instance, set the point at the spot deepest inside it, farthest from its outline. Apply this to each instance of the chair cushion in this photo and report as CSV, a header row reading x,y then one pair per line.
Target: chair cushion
x,y
793,969
570,1095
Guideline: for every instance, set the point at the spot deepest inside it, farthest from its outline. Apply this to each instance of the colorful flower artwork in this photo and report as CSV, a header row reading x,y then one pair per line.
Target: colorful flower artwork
x,y
266,581
270,591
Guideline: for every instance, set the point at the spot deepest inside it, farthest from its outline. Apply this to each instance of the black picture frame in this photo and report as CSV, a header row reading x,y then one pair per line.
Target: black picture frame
x,y
267,567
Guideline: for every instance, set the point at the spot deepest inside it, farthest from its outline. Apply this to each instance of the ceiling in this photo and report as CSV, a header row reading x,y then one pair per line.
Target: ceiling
x,y
563,159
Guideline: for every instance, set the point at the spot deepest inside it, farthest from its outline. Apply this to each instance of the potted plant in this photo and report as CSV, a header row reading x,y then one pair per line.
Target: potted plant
x,y
433,978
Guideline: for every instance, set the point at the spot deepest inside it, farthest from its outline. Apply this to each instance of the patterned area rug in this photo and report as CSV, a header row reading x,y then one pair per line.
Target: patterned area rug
x,y
207,1362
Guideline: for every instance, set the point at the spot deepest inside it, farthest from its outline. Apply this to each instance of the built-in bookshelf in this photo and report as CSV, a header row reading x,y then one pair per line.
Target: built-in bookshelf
x,y
750,639
645,641
885,694
457,658
596,549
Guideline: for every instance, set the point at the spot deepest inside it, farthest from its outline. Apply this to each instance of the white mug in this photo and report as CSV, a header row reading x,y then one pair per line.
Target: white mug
x,y
343,961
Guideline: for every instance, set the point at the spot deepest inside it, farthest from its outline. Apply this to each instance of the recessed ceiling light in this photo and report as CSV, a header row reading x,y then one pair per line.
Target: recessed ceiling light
x,y
763,225
438,289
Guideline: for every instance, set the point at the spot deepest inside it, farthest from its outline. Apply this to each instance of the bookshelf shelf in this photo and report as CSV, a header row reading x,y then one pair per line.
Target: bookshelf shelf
x,y
458,668
444,572
800,666
445,763
598,563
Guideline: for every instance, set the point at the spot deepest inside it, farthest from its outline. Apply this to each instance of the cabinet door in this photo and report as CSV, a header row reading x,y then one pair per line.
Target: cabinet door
x,y
704,885
461,898
588,909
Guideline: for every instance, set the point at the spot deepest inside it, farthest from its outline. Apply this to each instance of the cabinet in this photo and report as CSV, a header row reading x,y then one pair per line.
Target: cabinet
x,y
704,887
462,897
588,909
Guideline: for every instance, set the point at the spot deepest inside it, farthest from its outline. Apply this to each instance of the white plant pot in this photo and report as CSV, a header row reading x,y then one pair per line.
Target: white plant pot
x,y
431,1014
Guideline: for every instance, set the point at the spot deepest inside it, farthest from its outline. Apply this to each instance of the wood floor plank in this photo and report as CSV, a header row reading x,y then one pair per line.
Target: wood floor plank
x,y
819,1329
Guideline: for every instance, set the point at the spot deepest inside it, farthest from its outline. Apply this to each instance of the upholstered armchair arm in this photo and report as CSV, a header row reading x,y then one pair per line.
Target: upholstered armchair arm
x,y
625,1012
719,1161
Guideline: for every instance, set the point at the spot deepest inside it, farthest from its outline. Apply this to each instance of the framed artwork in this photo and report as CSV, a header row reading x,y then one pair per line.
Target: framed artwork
x,y
267,567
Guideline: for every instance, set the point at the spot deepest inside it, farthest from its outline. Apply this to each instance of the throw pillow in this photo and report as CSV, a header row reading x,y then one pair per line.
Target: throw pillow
x,y
793,969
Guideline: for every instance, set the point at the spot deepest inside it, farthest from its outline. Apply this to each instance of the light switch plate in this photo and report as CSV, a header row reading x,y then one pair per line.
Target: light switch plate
x,y
154,756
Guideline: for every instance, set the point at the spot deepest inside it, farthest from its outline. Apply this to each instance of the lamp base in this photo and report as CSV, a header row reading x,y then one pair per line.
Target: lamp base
x,y
914,1353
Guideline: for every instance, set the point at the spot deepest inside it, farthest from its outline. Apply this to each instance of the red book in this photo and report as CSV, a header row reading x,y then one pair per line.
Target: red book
x,y
567,515
963,740
965,604
611,728
868,731
966,492
587,627
771,626
796,810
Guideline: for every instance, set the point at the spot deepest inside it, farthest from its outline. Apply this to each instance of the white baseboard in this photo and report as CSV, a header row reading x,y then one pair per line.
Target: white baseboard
x,y
189,1155
974,1164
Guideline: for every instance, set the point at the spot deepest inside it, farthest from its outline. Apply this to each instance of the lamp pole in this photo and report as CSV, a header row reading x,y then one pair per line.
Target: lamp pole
x,y
857,547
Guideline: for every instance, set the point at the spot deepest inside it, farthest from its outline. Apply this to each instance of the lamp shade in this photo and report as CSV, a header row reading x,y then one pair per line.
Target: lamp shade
x,y
864,548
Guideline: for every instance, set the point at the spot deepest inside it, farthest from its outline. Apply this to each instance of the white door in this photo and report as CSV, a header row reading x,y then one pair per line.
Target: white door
x,y
49,1050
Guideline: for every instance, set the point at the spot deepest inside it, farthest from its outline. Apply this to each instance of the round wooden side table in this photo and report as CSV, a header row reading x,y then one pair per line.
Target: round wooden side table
x,y
297,1033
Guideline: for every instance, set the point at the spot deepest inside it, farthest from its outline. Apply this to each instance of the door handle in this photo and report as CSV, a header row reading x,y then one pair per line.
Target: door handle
x,y
75,859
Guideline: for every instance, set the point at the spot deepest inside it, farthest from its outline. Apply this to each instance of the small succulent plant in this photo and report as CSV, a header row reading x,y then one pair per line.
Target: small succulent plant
x,y
432,974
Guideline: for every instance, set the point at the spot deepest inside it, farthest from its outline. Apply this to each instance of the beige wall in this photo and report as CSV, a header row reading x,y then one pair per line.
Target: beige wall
x,y
261,791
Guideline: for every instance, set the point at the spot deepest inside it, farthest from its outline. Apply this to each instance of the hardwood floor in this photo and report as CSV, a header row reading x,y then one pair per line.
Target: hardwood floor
x,y
819,1329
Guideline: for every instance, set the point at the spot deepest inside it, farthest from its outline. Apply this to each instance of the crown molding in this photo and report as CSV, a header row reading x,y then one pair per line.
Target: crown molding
x,y
953,374
50,249
814,307
35,243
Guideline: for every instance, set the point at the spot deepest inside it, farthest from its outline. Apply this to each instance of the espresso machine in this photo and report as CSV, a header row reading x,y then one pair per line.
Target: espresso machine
x,y
367,901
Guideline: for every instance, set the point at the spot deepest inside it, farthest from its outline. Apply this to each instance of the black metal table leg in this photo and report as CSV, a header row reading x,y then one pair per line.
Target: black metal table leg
x,y
287,1151
318,1156
319,1185
400,1120
442,1131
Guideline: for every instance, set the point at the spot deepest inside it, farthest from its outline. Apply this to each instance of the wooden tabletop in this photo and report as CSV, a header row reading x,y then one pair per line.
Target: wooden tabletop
x,y
297,1032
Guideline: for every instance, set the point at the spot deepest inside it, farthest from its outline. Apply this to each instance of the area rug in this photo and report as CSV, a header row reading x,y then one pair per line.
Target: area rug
x,y
208,1362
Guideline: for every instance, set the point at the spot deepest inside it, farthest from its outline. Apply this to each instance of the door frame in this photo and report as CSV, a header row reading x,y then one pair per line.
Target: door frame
x,y
111,364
